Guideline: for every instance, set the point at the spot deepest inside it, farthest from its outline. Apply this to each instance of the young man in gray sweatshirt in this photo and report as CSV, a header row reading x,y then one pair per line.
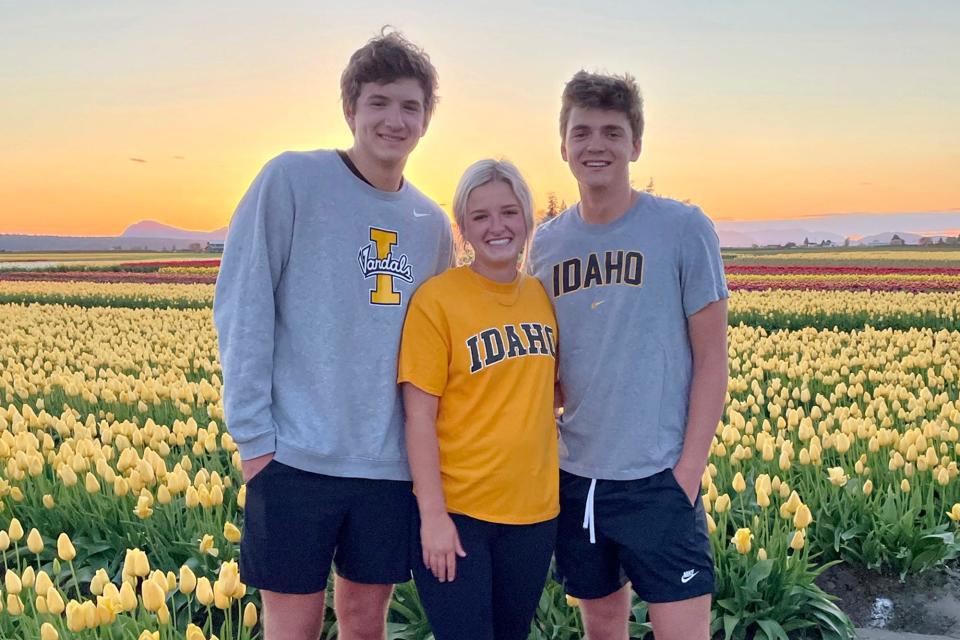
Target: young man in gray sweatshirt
x,y
638,287
322,256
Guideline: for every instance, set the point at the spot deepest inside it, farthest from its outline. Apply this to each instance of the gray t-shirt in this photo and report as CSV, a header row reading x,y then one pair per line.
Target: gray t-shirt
x,y
623,292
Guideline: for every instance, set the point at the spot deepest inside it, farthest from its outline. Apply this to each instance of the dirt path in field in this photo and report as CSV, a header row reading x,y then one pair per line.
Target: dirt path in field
x,y
925,606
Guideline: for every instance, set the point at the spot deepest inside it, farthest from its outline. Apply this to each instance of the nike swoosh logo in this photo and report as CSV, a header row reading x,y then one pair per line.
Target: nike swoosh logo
x,y
597,304
417,214
688,576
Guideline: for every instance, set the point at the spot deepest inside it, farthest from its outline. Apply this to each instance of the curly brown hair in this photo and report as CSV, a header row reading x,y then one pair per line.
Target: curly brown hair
x,y
598,91
384,59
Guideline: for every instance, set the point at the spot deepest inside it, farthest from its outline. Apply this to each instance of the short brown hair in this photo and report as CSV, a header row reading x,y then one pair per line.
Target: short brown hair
x,y
598,91
384,59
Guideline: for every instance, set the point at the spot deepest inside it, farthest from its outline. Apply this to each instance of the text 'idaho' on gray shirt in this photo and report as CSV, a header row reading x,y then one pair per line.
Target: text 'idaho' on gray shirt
x,y
622,293
314,283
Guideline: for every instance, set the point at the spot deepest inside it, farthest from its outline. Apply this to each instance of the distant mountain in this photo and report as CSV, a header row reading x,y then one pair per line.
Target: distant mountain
x,y
885,238
154,229
862,228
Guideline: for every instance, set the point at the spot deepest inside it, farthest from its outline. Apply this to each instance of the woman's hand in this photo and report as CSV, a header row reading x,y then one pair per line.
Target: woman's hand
x,y
441,546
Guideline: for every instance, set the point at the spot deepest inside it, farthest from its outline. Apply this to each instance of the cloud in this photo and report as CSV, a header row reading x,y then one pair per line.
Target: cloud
x,y
179,158
137,160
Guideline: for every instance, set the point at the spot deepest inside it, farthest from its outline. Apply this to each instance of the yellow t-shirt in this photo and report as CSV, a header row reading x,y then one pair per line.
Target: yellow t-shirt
x,y
488,350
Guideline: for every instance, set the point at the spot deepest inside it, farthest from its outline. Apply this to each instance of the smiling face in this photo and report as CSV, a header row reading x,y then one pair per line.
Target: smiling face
x,y
495,227
387,121
599,147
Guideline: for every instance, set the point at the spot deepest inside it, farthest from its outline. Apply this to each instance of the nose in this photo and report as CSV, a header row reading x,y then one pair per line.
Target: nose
x,y
393,117
595,143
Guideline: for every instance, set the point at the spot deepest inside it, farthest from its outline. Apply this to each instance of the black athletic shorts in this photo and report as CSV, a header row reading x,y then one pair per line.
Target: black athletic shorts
x,y
297,522
646,532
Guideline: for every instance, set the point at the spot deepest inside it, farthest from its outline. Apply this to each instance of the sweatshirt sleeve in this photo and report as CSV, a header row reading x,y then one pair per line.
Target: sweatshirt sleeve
x,y
255,254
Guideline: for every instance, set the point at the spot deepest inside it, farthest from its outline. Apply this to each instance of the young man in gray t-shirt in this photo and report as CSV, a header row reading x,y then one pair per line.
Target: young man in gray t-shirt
x,y
638,286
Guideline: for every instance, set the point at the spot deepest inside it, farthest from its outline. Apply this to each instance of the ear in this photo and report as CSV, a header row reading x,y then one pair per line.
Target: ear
x,y
349,114
637,145
563,149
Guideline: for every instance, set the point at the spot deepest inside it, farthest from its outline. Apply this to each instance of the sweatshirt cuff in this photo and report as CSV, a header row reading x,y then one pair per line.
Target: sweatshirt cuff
x,y
260,445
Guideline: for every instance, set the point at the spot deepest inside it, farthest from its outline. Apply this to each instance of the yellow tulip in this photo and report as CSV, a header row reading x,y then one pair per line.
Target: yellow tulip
x,y
206,546
65,549
43,583
837,477
722,503
229,577
106,611
99,581
204,591
15,530
231,532
149,635
943,477
163,614
28,577
803,517
89,612
128,598
4,541
188,580
34,541
194,632
954,513
11,581
221,598
798,539
55,603
91,484
905,486
14,604
250,615
761,554
40,604
739,484
741,539
75,617
242,497
711,525
49,632
868,487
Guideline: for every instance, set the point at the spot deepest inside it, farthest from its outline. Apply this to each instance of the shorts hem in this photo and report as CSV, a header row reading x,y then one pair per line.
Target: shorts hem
x,y
678,598
369,580
264,585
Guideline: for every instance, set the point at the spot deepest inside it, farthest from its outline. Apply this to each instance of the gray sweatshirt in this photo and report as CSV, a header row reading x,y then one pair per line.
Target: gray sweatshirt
x,y
314,283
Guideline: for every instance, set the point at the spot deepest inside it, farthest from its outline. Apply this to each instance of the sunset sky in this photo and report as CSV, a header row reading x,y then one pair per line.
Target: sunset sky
x,y
115,112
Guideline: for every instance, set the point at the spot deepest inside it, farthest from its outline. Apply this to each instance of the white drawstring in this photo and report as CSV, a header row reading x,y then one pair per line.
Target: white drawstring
x,y
588,512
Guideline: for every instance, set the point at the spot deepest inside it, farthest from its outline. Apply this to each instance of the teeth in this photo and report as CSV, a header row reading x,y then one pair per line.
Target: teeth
x,y
499,242
597,164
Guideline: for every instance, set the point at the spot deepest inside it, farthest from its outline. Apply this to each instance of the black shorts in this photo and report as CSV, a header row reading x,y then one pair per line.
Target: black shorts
x,y
297,522
646,531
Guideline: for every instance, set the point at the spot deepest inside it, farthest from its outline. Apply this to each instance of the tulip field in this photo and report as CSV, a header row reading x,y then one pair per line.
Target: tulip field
x,y
121,499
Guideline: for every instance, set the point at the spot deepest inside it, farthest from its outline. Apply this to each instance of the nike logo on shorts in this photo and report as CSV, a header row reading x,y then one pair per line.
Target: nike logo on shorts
x,y
417,214
688,576
596,304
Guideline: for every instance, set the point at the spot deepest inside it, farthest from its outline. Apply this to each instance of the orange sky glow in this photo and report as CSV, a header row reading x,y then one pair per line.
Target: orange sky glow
x,y
115,114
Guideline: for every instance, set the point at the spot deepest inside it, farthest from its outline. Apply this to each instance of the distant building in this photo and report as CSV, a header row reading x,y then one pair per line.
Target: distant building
x,y
925,240
897,241
214,247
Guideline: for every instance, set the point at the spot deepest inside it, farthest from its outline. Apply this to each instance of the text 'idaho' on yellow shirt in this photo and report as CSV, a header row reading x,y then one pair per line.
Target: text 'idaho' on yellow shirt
x,y
488,350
